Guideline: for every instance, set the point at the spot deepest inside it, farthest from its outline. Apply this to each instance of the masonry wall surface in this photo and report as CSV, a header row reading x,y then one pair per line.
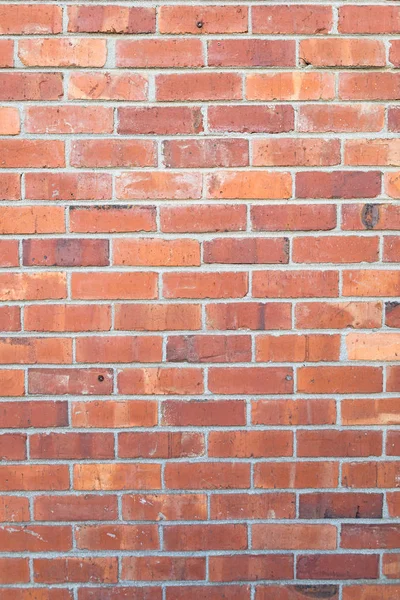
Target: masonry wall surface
x,y
199,217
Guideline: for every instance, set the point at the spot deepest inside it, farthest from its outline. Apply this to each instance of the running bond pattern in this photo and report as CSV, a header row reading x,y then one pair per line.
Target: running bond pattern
x,y
200,214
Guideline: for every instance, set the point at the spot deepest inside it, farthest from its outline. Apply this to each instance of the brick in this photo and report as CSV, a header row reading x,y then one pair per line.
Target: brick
x,y
203,19
251,53
40,538
110,349
360,217
382,411
111,19
203,413
293,412
75,508
393,119
32,153
153,380
158,317
341,379
296,475
372,152
24,414
31,219
32,286
338,566
9,121
112,219
10,318
393,444
67,317
295,284
65,252
369,536
205,285
339,505
120,593
28,19
159,53
370,474
290,86
293,218
250,185
14,509
249,444
338,184
68,186
70,381
208,348
338,315
390,566
113,476
248,315
297,19
12,382
66,52
66,446
250,380
114,286
325,118
203,219
391,249
160,445
342,52
198,86
12,446
10,186
292,152
369,86
110,413
75,570
113,153
247,568
240,592
205,537
14,570
392,314
156,252
206,153
69,119
9,256
29,350
162,120
253,506
251,119
30,86
158,185
338,443
392,185
297,348
256,250
32,594
335,249
117,537
295,592
203,476
166,568
100,85
33,478
369,19
376,346
171,507
370,283
7,54
293,537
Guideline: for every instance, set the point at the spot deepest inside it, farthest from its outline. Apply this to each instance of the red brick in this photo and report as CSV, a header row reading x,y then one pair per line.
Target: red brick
x,y
250,185
393,443
113,153
65,52
165,568
120,593
250,380
65,446
67,317
33,478
325,442
69,119
295,284
64,252
335,505
117,537
342,52
75,508
206,153
113,286
9,121
293,412
246,251
159,53
114,349
31,219
203,476
297,348
160,445
14,570
158,185
40,538
243,567
10,318
205,285
29,350
114,476
70,381
371,474
338,315
296,475
162,120
30,86
392,314
10,186
111,19
12,446
293,537
157,317
24,414
248,315
370,283
203,413
32,286
338,566
251,53
382,411
68,186
171,507
297,19
178,538
32,153
240,592
253,506
251,119
250,444
9,255
110,413
293,218
209,348
198,86
369,86
370,536
369,19
102,85
290,86
153,380
335,249
338,184
341,379
292,152
203,19
296,592
29,19
112,219
14,509
75,570
325,118
156,252
203,218
361,217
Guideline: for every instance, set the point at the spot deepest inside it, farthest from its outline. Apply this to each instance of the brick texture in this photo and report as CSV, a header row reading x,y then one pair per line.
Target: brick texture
x,y
199,300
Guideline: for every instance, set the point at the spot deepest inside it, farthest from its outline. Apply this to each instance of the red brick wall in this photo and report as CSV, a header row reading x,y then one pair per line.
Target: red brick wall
x,y
199,285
